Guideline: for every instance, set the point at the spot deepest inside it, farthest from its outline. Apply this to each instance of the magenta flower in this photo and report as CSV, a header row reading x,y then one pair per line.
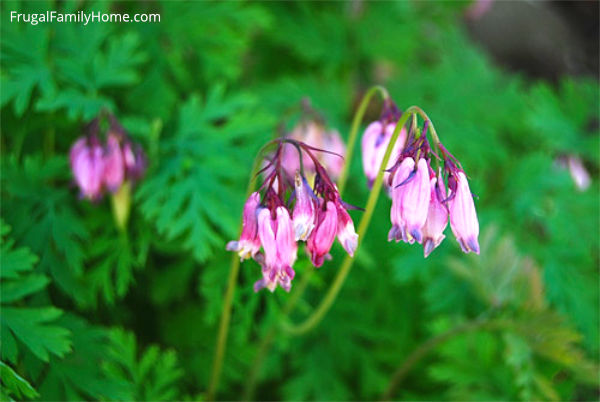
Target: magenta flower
x,y
345,231
98,168
114,165
248,244
286,213
415,196
304,209
321,240
437,216
401,175
87,165
277,239
463,218
420,202
135,160
375,141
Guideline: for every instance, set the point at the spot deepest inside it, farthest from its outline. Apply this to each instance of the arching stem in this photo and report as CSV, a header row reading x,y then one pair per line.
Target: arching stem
x,y
358,117
315,318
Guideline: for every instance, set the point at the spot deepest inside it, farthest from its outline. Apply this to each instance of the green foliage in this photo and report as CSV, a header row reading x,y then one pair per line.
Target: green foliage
x,y
90,312
185,198
153,375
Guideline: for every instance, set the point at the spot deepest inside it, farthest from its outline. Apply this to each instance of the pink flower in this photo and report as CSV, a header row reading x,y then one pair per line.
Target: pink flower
x,y
249,243
322,237
114,165
402,174
87,165
415,202
578,172
345,231
333,142
410,198
437,217
134,160
463,218
304,209
375,141
277,239
315,135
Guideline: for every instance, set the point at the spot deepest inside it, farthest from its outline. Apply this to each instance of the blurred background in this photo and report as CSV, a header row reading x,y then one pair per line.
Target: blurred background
x,y
89,312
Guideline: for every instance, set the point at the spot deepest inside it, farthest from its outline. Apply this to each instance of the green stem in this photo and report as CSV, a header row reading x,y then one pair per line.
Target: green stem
x,y
358,116
432,343
267,340
231,284
317,315
434,136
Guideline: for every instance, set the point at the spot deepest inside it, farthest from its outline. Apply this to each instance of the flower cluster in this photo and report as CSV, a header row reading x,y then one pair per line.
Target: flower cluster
x,y
98,167
289,211
421,200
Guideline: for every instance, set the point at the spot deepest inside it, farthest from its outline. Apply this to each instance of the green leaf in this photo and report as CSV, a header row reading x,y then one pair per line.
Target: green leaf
x,y
195,194
14,262
14,384
32,327
153,375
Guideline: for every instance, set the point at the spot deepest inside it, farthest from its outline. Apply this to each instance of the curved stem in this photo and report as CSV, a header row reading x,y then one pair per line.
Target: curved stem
x,y
333,291
231,283
421,112
432,343
358,116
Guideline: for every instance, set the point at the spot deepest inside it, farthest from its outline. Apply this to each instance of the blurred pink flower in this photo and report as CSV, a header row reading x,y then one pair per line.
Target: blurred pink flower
x,y
87,165
375,141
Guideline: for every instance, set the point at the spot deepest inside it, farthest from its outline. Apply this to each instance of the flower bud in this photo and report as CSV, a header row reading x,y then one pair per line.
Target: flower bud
x,y
249,242
304,210
437,217
463,218
345,231
320,241
401,175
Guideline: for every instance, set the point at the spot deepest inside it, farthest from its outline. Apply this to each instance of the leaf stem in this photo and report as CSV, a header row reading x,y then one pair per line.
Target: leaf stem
x,y
358,117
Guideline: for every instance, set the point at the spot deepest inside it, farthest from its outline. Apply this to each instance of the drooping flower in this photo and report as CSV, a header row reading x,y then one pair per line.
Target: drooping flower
x,y
135,160
463,218
111,166
346,234
415,195
304,209
420,202
87,165
437,216
401,175
287,213
114,165
249,243
277,239
321,240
